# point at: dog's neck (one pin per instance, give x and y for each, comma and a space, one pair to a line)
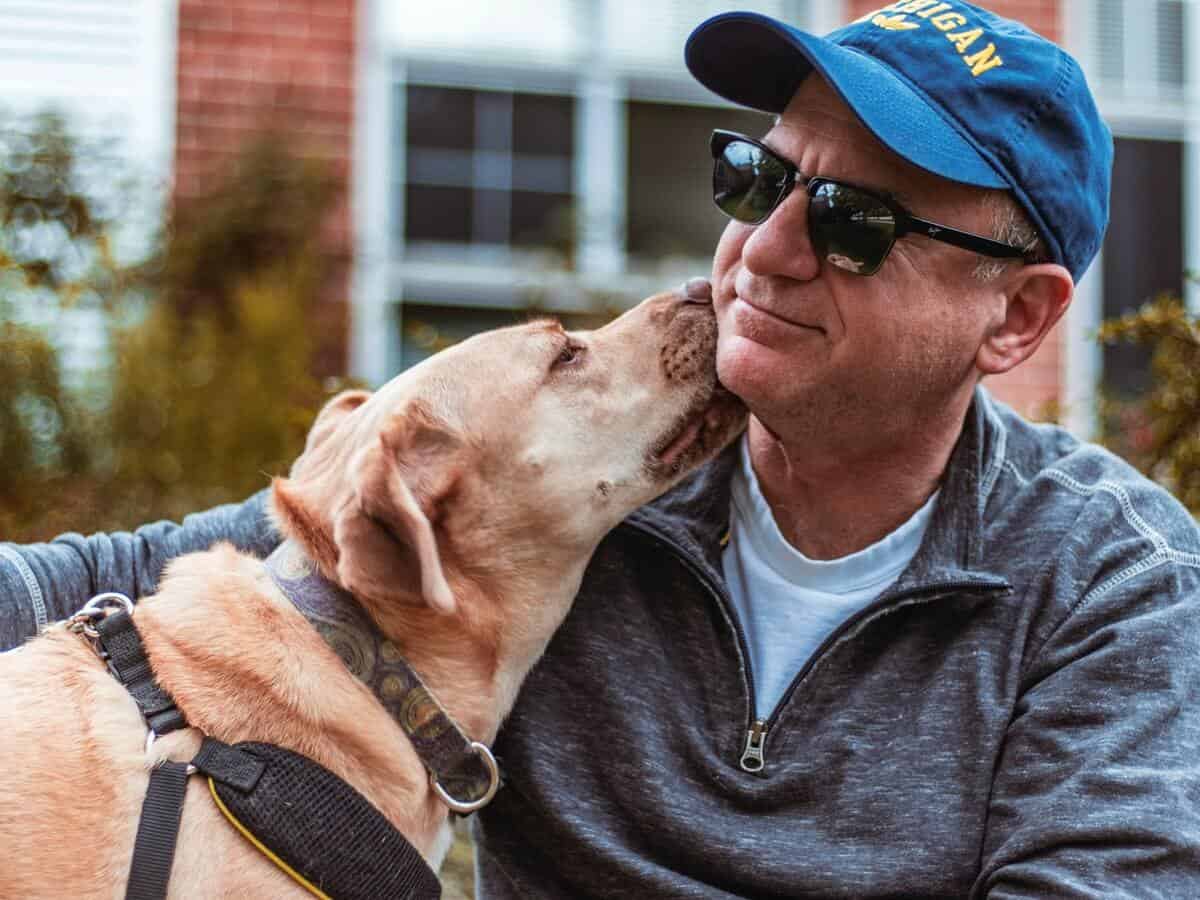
373, 659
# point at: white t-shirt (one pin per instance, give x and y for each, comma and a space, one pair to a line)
787, 603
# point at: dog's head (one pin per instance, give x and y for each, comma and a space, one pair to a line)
513, 450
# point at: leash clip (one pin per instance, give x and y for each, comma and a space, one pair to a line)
466, 807
97, 608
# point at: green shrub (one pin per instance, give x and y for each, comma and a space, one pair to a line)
208, 389
207, 406
1160, 433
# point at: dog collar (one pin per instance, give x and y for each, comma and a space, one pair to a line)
463, 772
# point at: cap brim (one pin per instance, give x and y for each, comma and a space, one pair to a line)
755, 61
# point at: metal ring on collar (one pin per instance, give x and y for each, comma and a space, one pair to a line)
95, 608
465, 808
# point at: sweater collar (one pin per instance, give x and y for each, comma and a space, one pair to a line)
694, 515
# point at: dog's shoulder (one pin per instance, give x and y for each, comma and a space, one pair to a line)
221, 561
219, 588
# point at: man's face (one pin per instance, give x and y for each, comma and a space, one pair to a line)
821, 354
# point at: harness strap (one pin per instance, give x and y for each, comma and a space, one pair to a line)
319, 829
343, 847
126, 657
229, 765
158, 832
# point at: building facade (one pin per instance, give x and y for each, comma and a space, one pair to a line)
551, 155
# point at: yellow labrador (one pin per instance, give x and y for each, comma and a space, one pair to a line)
459, 504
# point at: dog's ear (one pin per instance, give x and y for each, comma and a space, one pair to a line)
332, 414
298, 502
385, 534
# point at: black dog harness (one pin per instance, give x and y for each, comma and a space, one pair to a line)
305, 819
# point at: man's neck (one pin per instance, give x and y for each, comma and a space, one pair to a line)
831, 504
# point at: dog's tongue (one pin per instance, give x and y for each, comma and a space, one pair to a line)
681, 443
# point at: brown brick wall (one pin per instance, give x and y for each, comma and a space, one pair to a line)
1036, 387
1043, 16
248, 64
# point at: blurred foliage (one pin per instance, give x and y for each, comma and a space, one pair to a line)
206, 405
266, 215
1160, 432
207, 388
59, 202
43, 433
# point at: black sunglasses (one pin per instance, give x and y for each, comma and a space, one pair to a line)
850, 227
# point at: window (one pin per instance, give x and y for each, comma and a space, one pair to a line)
488, 167
1143, 253
1138, 48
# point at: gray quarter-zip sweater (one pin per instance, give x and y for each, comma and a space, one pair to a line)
1018, 716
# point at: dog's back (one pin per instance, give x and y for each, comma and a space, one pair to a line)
74, 767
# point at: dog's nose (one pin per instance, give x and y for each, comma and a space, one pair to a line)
696, 290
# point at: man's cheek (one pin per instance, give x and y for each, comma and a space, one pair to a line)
727, 255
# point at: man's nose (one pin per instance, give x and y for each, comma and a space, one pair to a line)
781, 245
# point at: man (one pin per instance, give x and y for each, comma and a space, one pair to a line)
898, 642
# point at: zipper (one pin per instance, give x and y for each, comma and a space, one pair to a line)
753, 758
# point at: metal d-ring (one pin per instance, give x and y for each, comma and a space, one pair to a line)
95, 607
465, 808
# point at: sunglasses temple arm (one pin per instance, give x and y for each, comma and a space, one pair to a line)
964, 239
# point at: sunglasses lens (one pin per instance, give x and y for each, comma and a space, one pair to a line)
747, 183
850, 229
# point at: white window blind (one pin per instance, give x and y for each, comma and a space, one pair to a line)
1137, 48
107, 64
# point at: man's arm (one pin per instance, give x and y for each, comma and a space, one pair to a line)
43, 583
1097, 788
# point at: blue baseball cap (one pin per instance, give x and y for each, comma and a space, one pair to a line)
952, 88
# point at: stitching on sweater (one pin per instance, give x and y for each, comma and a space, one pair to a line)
1157, 558
35, 592
1122, 496
1162, 553
1012, 468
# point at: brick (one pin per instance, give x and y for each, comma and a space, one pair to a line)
245, 64
1043, 16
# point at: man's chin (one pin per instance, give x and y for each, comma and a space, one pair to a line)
749, 370
737, 350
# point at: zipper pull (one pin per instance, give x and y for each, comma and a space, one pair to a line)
752, 757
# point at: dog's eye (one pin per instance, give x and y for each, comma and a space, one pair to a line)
568, 355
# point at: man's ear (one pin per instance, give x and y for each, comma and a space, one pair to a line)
1035, 297
385, 532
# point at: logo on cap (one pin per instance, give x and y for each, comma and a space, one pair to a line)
942, 16
894, 23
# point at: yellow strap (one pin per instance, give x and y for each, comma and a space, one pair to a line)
263, 849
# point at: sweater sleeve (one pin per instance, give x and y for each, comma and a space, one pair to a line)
44, 583
1097, 789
